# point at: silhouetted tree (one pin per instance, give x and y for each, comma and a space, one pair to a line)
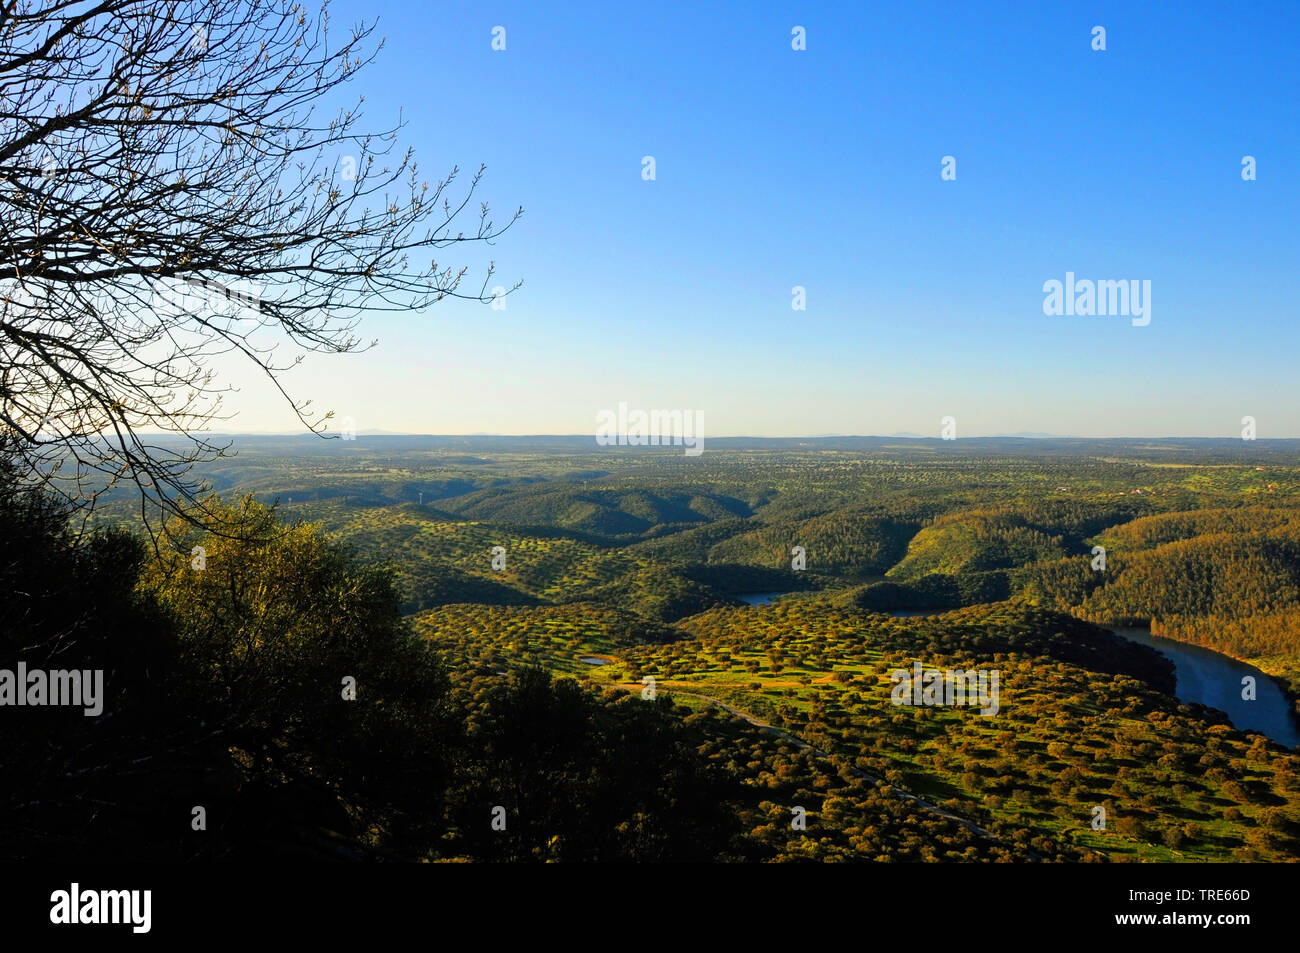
170, 194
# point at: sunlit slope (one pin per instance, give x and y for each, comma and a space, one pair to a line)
974, 543
1081, 723
604, 511
441, 561
1228, 579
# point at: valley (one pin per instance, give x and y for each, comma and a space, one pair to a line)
628, 567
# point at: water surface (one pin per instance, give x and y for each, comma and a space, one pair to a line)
1214, 679
760, 598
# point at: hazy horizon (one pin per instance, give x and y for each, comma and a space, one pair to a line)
744, 436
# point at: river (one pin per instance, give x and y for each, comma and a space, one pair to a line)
1214, 679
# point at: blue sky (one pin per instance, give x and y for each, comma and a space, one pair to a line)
821, 168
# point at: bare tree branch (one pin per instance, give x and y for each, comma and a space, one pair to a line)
168, 197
